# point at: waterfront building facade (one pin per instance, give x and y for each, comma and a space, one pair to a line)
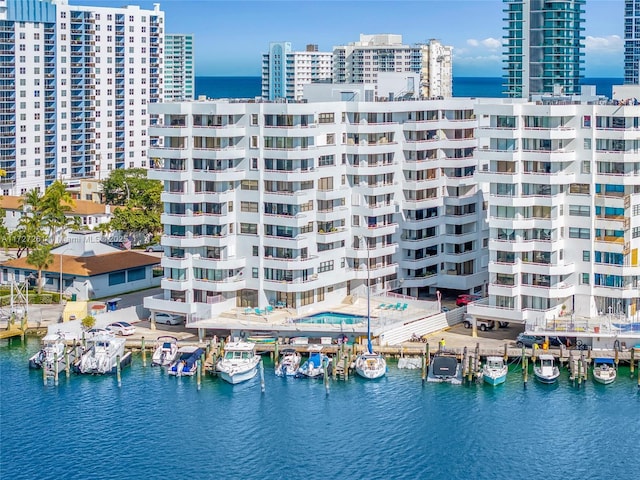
285, 72
563, 183
360, 62
543, 45
632, 42
75, 85
298, 203
179, 72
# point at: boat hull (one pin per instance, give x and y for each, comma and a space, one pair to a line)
238, 377
371, 366
604, 380
547, 379
494, 379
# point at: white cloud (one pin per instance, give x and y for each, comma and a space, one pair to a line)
610, 43
489, 43
492, 43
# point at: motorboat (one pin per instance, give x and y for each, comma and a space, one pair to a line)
604, 370
371, 365
445, 368
166, 351
53, 348
494, 371
314, 366
546, 371
101, 354
186, 363
289, 363
239, 363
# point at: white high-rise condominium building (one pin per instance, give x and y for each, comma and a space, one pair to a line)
179, 74
543, 44
75, 84
360, 62
298, 203
563, 178
632, 42
285, 72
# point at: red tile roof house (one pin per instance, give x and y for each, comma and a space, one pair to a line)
89, 269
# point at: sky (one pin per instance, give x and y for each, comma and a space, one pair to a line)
232, 35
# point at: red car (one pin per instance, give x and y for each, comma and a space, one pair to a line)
466, 298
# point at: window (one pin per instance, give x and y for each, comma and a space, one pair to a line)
326, 160
331, 139
254, 141
254, 119
249, 185
134, 274
580, 210
636, 210
254, 164
249, 207
255, 250
254, 272
586, 166
325, 266
583, 233
635, 233
116, 278
326, 118
587, 144
586, 255
249, 228
584, 279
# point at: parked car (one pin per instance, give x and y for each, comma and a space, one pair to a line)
480, 323
529, 340
154, 248
169, 318
121, 328
466, 298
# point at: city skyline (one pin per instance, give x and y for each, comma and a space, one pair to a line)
224, 48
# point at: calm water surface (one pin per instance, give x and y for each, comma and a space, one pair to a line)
157, 426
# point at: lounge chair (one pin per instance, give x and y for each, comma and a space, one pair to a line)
248, 310
268, 309
404, 306
397, 306
382, 306
257, 311
281, 304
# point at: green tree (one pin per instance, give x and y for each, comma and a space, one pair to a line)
88, 322
56, 205
130, 220
132, 187
41, 258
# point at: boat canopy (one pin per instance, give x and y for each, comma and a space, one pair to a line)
603, 360
239, 347
316, 360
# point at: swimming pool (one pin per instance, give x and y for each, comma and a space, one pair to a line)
333, 318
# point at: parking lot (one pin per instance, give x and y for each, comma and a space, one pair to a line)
507, 334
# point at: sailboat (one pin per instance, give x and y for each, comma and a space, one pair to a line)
370, 365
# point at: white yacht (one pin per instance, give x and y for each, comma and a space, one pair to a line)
53, 347
494, 371
289, 363
101, 354
166, 351
239, 363
371, 365
604, 370
546, 371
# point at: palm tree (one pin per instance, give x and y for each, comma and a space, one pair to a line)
56, 203
41, 258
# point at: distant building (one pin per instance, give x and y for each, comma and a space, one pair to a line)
362, 61
75, 84
632, 42
179, 76
543, 44
88, 268
285, 72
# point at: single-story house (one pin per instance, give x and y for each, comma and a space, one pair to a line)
84, 268
91, 214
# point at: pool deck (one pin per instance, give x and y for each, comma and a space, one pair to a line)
284, 320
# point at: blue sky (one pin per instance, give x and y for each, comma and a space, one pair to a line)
230, 36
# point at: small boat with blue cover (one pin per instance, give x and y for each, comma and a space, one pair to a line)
604, 370
315, 366
187, 362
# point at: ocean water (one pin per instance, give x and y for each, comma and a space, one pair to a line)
250, 87
158, 426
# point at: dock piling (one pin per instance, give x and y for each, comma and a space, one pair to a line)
346, 368
506, 353
424, 368
199, 373
44, 374
632, 363
325, 376
118, 371
67, 366
427, 355
144, 352
580, 370
261, 368
56, 368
